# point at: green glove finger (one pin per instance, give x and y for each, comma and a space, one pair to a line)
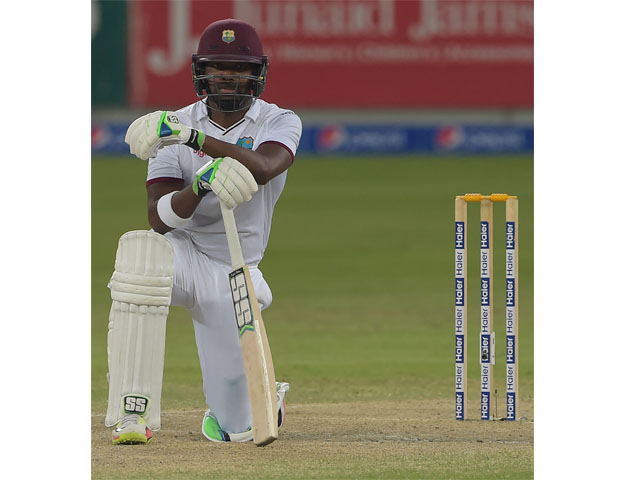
166, 125
205, 175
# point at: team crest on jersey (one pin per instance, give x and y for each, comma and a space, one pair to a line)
246, 142
227, 36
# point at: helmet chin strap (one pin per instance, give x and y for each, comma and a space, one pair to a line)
227, 103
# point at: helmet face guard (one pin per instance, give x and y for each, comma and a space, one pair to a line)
227, 41
245, 87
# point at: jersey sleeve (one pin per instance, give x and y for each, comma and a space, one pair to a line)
286, 130
165, 166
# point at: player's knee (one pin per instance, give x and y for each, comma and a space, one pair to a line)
143, 269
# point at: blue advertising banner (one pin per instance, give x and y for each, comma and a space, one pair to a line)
389, 139
374, 139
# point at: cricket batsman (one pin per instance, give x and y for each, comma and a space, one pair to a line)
229, 146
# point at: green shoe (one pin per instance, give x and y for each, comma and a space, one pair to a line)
212, 431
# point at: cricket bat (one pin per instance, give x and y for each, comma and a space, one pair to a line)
261, 379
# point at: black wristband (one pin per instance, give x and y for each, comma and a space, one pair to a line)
196, 139
201, 191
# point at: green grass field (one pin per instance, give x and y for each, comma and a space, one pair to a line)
360, 262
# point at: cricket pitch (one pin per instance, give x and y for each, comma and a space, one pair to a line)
382, 439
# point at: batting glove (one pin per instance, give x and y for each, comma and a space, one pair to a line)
231, 181
157, 130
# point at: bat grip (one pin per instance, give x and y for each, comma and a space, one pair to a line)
232, 235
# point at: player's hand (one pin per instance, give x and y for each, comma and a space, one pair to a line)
231, 181
158, 129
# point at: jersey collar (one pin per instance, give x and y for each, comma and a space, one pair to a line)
254, 111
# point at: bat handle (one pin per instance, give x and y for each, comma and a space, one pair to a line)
234, 245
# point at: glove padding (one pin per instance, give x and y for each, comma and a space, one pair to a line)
228, 178
157, 130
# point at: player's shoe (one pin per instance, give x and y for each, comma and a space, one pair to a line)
213, 432
282, 389
131, 430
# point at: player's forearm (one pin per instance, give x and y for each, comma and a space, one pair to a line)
149, 133
183, 203
170, 207
255, 162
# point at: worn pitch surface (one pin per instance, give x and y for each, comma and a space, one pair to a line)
384, 439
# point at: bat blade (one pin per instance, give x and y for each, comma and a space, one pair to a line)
259, 371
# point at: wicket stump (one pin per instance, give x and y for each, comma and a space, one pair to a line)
487, 334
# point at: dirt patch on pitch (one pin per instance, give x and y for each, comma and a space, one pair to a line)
348, 440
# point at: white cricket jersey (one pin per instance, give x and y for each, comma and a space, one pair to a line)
262, 123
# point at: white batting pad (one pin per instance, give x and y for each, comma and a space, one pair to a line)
141, 291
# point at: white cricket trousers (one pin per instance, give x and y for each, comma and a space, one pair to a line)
201, 286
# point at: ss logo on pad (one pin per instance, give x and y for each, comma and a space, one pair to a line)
135, 404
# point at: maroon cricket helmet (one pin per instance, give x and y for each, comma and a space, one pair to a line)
229, 40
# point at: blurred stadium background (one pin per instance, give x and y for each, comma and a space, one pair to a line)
404, 104
366, 76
